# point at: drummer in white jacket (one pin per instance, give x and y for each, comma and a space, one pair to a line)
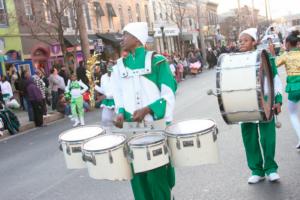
107, 104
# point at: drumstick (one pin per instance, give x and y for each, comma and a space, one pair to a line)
277, 123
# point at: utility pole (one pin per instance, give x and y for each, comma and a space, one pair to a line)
239, 17
201, 35
253, 23
270, 13
82, 29
266, 7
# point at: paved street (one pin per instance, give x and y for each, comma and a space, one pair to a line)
32, 167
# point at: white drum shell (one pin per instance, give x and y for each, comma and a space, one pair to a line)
73, 159
192, 155
238, 75
140, 160
118, 170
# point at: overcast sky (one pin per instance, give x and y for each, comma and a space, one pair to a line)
278, 7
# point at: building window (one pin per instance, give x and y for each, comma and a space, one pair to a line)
3, 14
147, 14
111, 13
130, 14
2, 45
86, 14
48, 15
154, 11
28, 10
138, 12
121, 16
99, 13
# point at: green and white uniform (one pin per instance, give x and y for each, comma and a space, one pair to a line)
76, 89
139, 81
107, 104
262, 134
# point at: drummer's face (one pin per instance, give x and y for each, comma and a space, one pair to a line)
246, 43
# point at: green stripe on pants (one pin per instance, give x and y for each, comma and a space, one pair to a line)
260, 163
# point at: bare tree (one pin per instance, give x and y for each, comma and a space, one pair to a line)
50, 19
178, 15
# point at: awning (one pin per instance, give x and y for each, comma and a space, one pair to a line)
114, 38
110, 10
99, 10
71, 40
187, 37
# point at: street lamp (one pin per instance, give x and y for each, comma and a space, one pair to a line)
163, 38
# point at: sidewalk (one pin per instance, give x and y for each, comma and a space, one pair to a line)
27, 125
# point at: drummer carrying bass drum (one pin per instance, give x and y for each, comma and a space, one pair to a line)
262, 133
144, 91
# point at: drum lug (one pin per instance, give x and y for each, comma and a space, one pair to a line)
68, 149
198, 142
125, 150
110, 157
165, 149
215, 133
83, 157
148, 154
60, 147
178, 144
131, 156
91, 159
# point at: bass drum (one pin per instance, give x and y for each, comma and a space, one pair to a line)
245, 87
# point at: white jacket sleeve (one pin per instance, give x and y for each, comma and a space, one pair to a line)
83, 86
116, 89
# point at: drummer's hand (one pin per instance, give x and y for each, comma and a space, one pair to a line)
277, 108
119, 121
140, 114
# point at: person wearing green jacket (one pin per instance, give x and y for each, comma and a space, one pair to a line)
144, 91
260, 138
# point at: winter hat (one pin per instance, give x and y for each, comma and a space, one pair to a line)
138, 30
250, 31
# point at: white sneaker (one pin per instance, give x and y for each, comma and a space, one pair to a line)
273, 177
76, 122
81, 121
255, 179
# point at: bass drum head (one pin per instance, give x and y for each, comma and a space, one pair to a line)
146, 139
81, 133
190, 127
266, 94
104, 142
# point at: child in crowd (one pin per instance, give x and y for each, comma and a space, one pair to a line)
76, 90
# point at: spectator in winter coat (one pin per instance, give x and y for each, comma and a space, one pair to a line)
35, 98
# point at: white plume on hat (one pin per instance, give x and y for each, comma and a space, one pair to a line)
250, 31
138, 30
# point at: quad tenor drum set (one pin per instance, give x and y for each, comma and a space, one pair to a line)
245, 93
115, 156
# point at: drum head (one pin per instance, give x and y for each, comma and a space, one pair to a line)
266, 97
146, 139
190, 127
104, 142
80, 133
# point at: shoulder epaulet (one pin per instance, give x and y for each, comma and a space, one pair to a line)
157, 59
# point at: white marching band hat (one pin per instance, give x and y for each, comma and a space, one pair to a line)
138, 30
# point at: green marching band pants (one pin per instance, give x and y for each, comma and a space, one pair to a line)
257, 136
155, 184
77, 107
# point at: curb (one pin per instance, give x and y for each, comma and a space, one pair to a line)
52, 117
